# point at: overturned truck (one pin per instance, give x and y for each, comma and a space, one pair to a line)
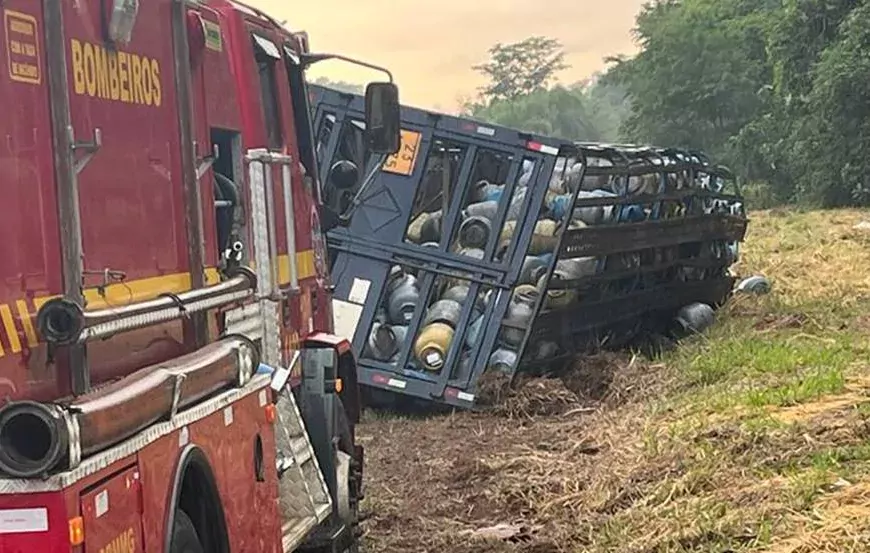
485, 250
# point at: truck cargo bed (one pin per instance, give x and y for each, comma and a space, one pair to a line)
485, 249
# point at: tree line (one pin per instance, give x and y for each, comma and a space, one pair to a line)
779, 90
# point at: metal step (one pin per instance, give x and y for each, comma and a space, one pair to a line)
303, 495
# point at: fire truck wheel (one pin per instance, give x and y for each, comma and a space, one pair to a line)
184, 537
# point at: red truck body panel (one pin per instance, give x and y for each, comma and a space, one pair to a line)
132, 206
131, 191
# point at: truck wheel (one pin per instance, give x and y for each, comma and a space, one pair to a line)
184, 537
352, 468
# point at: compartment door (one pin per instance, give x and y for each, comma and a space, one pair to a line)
112, 515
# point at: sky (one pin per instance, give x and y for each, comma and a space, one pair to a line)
430, 46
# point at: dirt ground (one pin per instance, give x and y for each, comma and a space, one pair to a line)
755, 437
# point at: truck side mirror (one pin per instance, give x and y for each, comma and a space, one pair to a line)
382, 118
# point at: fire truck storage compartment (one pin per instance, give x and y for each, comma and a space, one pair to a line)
483, 249
112, 514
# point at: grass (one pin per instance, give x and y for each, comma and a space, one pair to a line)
754, 437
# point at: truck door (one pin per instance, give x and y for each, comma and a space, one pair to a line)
29, 254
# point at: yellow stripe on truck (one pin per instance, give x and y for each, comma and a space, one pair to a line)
123, 293
27, 323
9, 326
304, 266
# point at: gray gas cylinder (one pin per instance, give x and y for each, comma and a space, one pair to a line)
403, 300
443, 311
474, 232
487, 209
695, 318
502, 360
533, 267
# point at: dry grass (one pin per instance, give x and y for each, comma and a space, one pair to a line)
755, 437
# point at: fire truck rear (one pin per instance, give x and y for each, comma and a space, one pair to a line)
169, 380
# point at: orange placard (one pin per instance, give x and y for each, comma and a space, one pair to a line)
402, 162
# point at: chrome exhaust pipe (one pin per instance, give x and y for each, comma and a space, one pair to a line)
64, 322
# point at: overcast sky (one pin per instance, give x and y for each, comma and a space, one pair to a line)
431, 45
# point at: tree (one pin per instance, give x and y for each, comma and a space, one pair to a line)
342, 86
832, 143
521, 68
695, 82
583, 111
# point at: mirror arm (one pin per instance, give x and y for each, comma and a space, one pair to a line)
309, 59
345, 217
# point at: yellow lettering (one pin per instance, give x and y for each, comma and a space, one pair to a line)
108, 74
102, 62
114, 82
15, 46
122, 543
156, 93
77, 69
146, 82
90, 66
136, 79
29, 50
123, 60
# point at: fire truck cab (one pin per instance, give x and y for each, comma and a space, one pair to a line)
169, 377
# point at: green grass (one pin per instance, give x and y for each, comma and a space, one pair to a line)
753, 437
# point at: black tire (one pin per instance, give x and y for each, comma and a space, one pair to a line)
184, 536
346, 443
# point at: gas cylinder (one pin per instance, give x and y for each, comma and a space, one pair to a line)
459, 293
543, 239
632, 214
592, 215
578, 267
385, 340
403, 300
558, 205
533, 268
478, 191
520, 311
502, 360
443, 311
557, 298
432, 345
695, 318
754, 285
474, 232
492, 193
475, 253
394, 279
415, 229
516, 205
430, 230
482, 209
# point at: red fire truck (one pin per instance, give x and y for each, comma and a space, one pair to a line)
169, 381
